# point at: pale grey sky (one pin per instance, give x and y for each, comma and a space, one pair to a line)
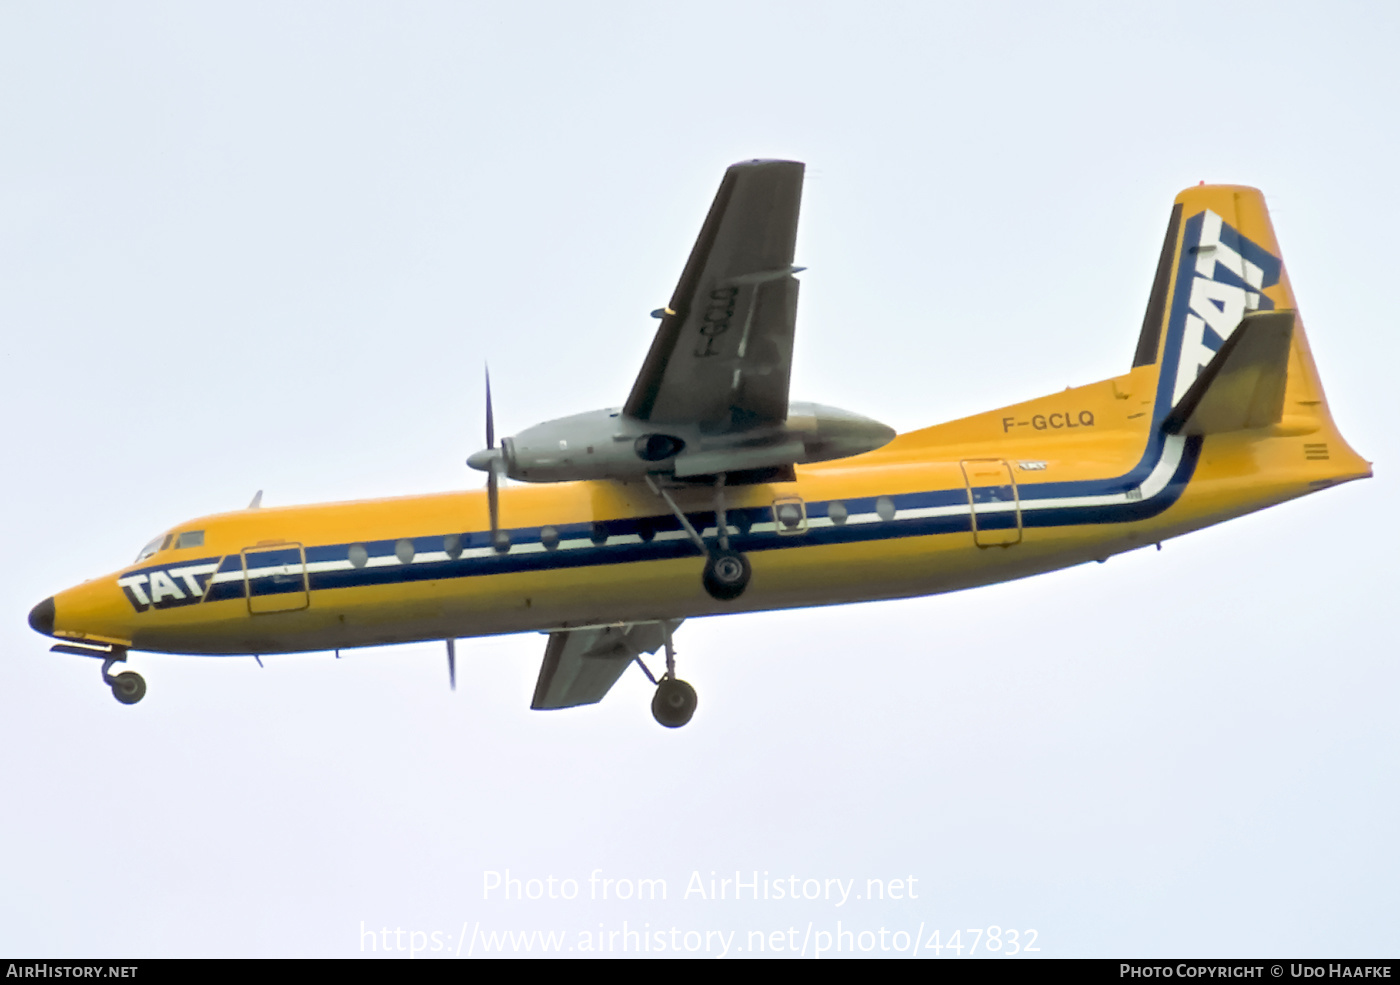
250, 246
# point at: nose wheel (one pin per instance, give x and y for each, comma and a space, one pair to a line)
128, 687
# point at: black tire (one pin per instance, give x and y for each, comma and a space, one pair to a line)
674, 702
128, 687
727, 575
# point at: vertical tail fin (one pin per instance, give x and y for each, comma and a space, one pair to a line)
1219, 263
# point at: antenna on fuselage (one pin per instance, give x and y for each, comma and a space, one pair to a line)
257, 501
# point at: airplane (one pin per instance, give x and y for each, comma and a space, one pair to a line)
709, 492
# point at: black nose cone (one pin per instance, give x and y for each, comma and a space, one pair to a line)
41, 617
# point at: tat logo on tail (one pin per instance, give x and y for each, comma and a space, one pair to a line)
1221, 278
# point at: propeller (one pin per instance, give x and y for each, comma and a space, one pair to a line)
491, 460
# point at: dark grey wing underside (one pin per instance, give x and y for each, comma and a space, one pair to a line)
581, 665
722, 357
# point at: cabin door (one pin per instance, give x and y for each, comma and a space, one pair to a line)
275, 578
994, 500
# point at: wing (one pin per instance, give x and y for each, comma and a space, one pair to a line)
581, 665
723, 354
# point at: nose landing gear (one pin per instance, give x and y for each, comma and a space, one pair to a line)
128, 687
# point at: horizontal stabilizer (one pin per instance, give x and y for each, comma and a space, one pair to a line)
1243, 385
581, 665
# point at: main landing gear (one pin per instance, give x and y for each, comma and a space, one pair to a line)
727, 571
128, 687
726, 574
674, 702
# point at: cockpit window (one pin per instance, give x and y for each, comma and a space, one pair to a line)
190, 538
149, 549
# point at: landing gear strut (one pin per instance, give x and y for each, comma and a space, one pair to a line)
128, 687
727, 571
674, 702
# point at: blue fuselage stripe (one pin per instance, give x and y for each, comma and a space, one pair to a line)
592, 554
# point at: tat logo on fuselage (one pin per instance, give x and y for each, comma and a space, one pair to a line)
167, 587
1221, 278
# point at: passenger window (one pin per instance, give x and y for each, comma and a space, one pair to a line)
790, 514
190, 538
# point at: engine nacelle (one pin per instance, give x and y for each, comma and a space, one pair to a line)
606, 444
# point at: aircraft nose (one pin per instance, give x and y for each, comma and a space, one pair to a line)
41, 617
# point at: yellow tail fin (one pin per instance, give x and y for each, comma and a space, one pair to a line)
1220, 262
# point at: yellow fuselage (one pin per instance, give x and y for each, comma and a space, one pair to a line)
1065, 479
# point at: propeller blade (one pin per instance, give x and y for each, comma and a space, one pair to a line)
452, 663
494, 463
490, 418
493, 505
